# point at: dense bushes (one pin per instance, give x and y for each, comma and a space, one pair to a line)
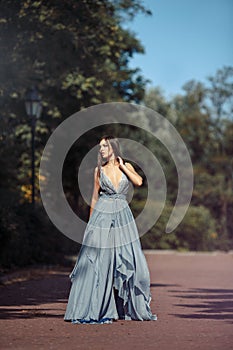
196, 232
28, 237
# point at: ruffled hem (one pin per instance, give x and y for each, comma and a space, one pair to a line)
132, 282
91, 321
108, 320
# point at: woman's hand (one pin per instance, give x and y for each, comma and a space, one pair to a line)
130, 172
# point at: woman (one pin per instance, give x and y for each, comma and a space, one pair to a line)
110, 279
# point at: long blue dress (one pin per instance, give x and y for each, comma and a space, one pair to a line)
110, 279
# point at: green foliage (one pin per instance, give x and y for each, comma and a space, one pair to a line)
196, 231
28, 237
76, 52
203, 117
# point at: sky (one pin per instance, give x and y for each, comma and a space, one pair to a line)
183, 40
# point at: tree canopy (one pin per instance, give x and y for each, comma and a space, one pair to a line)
76, 52
203, 117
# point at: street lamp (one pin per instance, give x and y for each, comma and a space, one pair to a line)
33, 108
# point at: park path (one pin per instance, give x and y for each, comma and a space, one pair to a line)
192, 296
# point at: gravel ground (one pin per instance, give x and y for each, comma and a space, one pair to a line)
192, 296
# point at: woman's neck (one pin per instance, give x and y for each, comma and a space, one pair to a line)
112, 162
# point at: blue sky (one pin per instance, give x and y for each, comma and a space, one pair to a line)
183, 40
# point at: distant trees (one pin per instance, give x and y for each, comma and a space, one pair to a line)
203, 117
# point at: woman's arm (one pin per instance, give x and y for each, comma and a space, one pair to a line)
95, 193
131, 173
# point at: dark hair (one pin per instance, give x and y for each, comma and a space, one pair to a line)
114, 142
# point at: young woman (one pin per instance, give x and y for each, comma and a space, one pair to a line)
110, 279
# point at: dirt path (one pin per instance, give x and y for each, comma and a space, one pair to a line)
192, 296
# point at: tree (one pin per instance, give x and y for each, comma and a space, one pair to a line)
77, 53
203, 117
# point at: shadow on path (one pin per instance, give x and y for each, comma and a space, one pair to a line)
16, 298
214, 303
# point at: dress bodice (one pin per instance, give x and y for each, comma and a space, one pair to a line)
108, 188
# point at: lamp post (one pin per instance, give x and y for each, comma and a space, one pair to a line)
33, 108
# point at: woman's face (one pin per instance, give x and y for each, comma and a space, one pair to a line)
105, 149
